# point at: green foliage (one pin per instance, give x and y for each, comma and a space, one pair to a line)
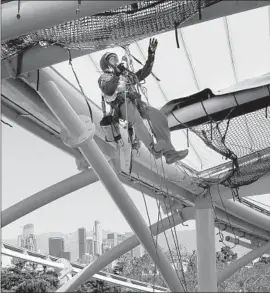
97, 286
142, 269
255, 278
21, 280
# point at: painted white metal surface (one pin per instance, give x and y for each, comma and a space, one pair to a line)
80, 134
125, 246
206, 250
222, 102
77, 101
29, 100
44, 14
47, 195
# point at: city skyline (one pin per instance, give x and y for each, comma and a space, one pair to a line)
88, 248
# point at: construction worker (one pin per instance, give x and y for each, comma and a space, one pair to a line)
118, 85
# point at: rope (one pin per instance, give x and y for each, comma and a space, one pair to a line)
144, 92
19, 8
150, 224
174, 229
79, 84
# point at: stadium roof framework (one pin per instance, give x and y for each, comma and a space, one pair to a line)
207, 56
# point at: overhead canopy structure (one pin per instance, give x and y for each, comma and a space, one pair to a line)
210, 63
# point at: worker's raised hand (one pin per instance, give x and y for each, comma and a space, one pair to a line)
152, 46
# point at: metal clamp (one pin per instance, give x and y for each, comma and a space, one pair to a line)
88, 133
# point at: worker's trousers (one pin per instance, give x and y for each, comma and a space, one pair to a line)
158, 123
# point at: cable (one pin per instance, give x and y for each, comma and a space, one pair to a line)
6, 123
266, 205
77, 79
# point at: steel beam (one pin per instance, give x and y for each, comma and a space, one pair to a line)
78, 132
245, 213
112, 279
47, 195
25, 121
237, 241
125, 246
243, 261
41, 116
206, 252
240, 224
36, 15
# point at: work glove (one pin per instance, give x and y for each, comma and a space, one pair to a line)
152, 46
119, 69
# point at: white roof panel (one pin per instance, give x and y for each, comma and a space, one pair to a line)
206, 51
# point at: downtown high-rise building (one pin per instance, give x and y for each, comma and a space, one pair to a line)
28, 239
66, 255
90, 245
112, 239
97, 237
56, 247
82, 242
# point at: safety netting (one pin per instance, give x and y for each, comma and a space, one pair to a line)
116, 27
244, 140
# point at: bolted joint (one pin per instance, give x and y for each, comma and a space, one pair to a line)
82, 164
88, 133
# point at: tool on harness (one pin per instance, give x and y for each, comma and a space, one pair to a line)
110, 125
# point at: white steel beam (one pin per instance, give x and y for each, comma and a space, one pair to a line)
206, 252
243, 261
36, 15
245, 213
78, 132
224, 8
186, 185
125, 246
47, 195
27, 98
237, 241
24, 120
125, 282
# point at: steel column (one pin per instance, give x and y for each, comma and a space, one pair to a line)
125, 246
243, 261
79, 134
205, 233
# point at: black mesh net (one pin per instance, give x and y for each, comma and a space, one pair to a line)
111, 28
245, 140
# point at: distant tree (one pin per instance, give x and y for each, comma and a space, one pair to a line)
97, 286
18, 280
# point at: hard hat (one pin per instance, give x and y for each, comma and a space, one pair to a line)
104, 64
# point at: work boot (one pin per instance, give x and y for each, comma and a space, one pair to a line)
174, 156
156, 150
